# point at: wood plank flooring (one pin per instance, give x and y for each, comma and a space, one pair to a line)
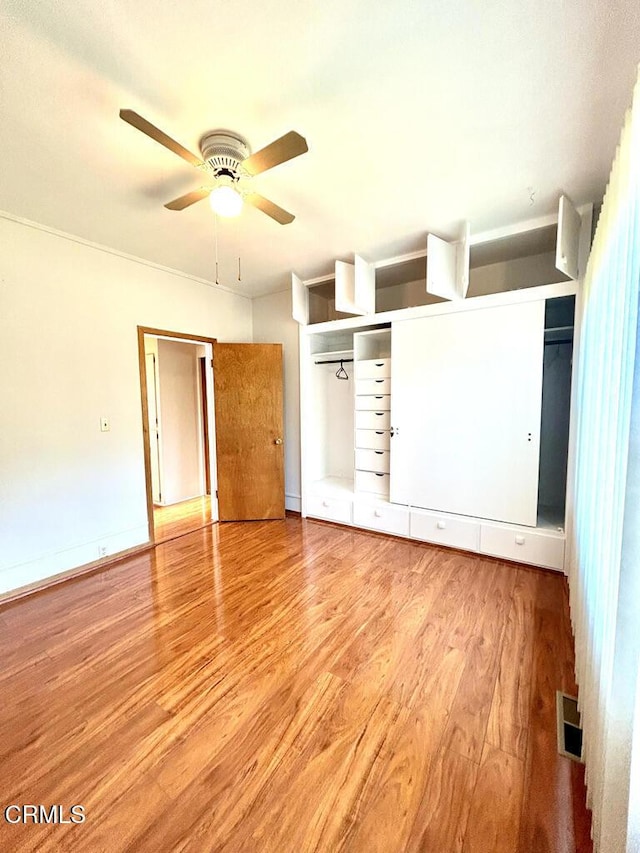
184, 517
290, 686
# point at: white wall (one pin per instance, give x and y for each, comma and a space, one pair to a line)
68, 355
180, 421
272, 323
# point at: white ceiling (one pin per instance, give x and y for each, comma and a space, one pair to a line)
418, 113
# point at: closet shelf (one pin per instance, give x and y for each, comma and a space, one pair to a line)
337, 353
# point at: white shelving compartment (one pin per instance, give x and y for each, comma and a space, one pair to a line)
362, 288
327, 406
372, 351
539, 252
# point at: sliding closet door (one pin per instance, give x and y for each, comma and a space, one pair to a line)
467, 387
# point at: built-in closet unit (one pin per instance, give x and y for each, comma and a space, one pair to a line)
447, 419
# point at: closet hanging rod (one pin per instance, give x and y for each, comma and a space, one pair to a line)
335, 361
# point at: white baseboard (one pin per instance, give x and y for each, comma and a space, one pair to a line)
293, 502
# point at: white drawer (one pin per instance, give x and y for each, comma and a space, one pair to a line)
374, 368
523, 545
373, 386
373, 460
379, 403
372, 439
332, 509
373, 420
368, 481
445, 530
384, 517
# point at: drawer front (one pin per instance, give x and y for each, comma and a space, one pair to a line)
368, 481
372, 439
373, 460
375, 368
444, 530
379, 403
373, 420
373, 386
332, 509
524, 546
388, 519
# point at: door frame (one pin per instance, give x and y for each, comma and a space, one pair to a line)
162, 333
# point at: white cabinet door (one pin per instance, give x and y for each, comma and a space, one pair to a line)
568, 239
466, 403
299, 300
346, 288
441, 268
355, 287
448, 265
463, 257
365, 286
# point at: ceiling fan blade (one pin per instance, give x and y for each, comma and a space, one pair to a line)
188, 198
151, 130
286, 148
273, 210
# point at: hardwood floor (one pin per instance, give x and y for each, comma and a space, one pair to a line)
291, 686
184, 517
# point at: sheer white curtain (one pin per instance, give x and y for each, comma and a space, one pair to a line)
604, 566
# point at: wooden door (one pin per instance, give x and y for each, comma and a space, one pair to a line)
466, 391
249, 430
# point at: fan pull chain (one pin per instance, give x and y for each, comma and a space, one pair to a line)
238, 244
215, 231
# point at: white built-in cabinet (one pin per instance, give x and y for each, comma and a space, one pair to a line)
467, 392
447, 421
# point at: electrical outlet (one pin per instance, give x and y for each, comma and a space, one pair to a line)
102, 550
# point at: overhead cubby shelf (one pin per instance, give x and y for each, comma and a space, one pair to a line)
536, 253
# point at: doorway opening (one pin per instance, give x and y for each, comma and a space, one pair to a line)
176, 383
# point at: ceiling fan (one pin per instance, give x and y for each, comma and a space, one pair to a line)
228, 161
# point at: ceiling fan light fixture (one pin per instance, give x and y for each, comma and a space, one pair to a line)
225, 201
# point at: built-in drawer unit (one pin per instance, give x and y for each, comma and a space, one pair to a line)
445, 530
372, 439
374, 368
370, 481
331, 509
541, 548
379, 403
373, 420
372, 460
373, 386
381, 516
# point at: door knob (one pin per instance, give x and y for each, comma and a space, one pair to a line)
277, 441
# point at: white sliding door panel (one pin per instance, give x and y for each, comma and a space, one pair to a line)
467, 390
406, 375
299, 301
568, 239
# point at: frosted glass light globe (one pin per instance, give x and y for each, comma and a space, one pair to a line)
225, 201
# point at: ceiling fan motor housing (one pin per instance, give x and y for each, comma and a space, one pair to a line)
223, 152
